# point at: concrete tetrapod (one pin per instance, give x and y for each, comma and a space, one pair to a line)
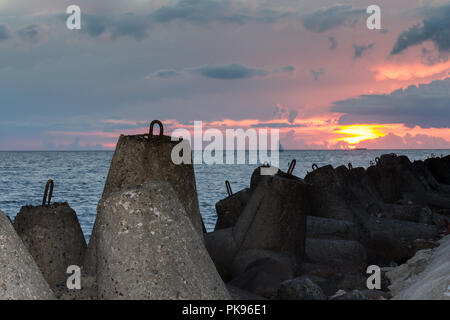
20, 277
147, 248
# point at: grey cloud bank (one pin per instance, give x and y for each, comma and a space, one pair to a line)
329, 18
426, 106
435, 28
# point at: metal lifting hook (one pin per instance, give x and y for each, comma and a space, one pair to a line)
48, 185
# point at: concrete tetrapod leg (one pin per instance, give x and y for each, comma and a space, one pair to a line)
54, 238
20, 277
274, 220
147, 248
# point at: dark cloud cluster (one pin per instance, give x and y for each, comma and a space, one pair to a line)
359, 50
206, 11
333, 43
229, 72
318, 73
5, 34
426, 106
131, 25
281, 112
30, 33
435, 27
333, 17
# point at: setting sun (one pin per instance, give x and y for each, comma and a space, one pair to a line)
357, 133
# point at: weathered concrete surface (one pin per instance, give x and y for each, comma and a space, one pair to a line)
336, 252
147, 248
275, 217
323, 228
138, 160
229, 209
20, 277
301, 288
221, 248
263, 277
54, 238
424, 277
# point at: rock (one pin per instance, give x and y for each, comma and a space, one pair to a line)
401, 275
301, 288
323, 228
376, 294
412, 213
275, 217
424, 277
263, 277
54, 238
147, 248
229, 209
239, 294
20, 277
336, 252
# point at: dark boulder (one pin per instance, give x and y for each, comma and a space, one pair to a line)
230, 209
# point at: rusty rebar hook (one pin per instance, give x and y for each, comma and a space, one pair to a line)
377, 161
350, 166
50, 184
291, 167
315, 167
230, 192
161, 128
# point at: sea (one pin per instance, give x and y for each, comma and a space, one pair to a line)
79, 177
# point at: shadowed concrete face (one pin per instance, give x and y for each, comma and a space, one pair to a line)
20, 277
54, 238
148, 249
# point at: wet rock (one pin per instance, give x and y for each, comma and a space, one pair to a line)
20, 277
230, 209
301, 288
54, 238
412, 213
336, 252
323, 228
263, 277
147, 248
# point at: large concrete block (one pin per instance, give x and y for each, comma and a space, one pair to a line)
230, 209
20, 277
147, 248
54, 238
138, 159
275, 217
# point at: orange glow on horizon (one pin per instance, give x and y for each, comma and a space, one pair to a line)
357, 133
409, 71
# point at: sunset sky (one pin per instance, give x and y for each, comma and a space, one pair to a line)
310, 68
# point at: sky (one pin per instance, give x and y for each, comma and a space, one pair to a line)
310, 68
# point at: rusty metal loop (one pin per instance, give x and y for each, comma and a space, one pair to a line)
315, 167
48, 185
161, 128
227, 184
350, 166
291, 167
371, 163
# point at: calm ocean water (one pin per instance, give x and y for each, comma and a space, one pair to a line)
80, 176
